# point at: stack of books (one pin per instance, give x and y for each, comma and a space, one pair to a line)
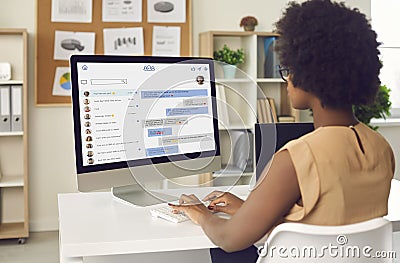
286, 118
266, 111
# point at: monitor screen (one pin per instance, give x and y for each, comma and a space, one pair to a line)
134, 111
270, 137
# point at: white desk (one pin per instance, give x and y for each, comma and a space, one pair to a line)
97, 228
96, 224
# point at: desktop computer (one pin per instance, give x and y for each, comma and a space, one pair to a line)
142, 119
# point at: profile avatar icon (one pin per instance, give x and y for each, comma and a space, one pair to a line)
86, 93
200, 80
86, 102
90, 161
88, 131
89, 146
87, 124
87, 116
89, 139
90, 154
87, 109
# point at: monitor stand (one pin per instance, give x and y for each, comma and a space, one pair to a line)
136, 195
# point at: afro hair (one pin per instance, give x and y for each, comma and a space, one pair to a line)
331, 52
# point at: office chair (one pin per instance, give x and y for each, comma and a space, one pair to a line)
296, 242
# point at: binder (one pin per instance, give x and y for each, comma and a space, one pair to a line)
271, 58
16, 108
5, 123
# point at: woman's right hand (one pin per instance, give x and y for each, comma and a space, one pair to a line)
223, 202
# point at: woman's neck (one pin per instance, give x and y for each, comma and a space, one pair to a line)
324, 116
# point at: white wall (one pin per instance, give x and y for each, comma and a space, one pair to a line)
51, 163
391, 133
226, 14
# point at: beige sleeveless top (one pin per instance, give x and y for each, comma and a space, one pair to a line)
344, 174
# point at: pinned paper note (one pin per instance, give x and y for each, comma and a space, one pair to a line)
123, 41
166, 11
122, 11
68, 43
166, 41
62, 82
75, 11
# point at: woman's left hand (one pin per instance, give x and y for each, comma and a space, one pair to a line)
192, 207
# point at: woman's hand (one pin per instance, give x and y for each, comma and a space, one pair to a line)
192, 207
223, 202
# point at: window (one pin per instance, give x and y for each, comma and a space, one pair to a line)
385, 20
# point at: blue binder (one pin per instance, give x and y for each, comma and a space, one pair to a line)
271, 61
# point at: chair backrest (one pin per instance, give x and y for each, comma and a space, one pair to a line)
369, 241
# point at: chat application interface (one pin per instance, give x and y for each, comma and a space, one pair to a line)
132, 111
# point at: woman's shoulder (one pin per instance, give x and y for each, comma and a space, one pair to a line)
323, 136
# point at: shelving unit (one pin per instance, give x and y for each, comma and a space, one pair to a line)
241, 93
14, 219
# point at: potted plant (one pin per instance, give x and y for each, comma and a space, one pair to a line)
230, 57
248, 23
379, 109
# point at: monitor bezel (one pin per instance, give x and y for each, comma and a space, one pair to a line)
75, 59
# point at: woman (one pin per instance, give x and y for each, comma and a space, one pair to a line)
340, 173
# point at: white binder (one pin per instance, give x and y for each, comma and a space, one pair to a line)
16, 108
5, 123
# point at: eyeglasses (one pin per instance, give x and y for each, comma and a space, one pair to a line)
284, 71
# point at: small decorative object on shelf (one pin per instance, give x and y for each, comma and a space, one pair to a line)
248, 23
5, 71
230, 57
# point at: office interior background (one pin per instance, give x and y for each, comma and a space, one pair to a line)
51, 152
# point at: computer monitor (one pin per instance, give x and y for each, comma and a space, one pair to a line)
270, 137
142, 119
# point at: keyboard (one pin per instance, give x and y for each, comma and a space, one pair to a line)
165, 212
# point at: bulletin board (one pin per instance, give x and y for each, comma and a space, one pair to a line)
45, 65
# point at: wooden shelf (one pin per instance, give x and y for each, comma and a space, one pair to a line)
238, 33
235, 127
8, 134
13, 230
270, 80
233, 81
239, 104
220, 175
12, 31
11, 181
14, 215
11, 82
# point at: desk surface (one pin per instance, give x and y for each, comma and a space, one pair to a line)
98, 224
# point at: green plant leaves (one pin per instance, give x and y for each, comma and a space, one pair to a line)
378, 109
229, 56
